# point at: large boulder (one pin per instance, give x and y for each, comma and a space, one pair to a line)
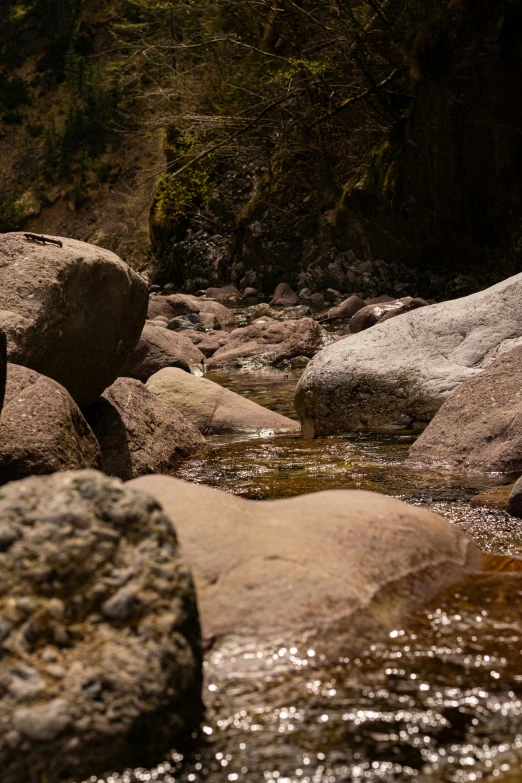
99, 631
42, 430
158, 348
479, 428
3, 366
341, 566
215, 410
397, 374
138, 433
267, 344
71, 311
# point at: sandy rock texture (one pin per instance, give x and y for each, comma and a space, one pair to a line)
340, 566
73, 313
479, 428
397, 374
99, 631
266, 344
138, 433
213, 409
3, 366
42, 430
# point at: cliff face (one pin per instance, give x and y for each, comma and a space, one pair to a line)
445, 196
437, 209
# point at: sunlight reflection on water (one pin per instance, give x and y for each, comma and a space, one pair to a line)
441, 700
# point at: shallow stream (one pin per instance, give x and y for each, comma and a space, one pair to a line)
440, 700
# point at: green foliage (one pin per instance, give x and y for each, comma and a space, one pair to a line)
182, 194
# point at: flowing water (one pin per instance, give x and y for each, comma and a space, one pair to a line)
439, 700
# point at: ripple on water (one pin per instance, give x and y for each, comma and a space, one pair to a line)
440, 700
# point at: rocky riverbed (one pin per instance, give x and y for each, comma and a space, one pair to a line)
350, 601
440, 700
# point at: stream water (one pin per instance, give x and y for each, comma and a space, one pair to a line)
440, 700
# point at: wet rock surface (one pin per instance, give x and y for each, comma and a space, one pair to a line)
158, 348
398, 374
100, 634
213, 409
42, 430
268, 344
138, 433
73, 313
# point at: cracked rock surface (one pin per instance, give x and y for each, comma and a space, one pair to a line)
100, 661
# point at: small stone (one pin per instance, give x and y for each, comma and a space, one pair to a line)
56, 670
8, 535
120, 605
25, 683
43, 722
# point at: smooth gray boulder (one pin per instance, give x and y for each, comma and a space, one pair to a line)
397, 374
99, 631
339, 567
70, 310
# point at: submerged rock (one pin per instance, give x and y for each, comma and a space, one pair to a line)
138, 433
158, 348
100, 643
479, 428
42, 430
72, 312
397, 374
341, 567
269, 343
215, 410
